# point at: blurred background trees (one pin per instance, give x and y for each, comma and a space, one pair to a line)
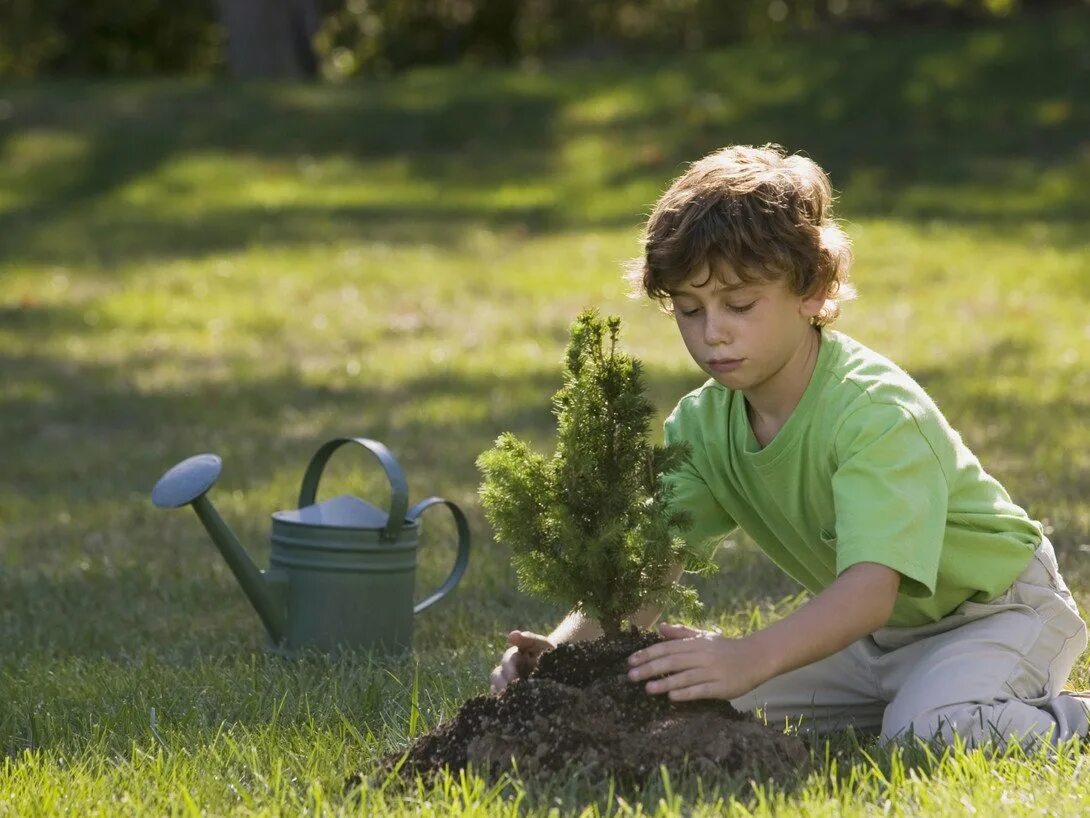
108, 37
342, 38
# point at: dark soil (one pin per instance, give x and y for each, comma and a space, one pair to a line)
579, 712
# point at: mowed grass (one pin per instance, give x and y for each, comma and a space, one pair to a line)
187, 267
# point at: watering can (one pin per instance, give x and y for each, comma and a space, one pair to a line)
341, 572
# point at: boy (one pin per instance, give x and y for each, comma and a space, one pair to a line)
937, 609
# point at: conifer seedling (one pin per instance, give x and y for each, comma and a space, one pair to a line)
591, 528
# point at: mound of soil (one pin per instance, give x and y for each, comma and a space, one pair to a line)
578, 711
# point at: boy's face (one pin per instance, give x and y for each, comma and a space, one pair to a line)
742, 334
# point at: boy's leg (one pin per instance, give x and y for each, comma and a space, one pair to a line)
835, 693
996, 677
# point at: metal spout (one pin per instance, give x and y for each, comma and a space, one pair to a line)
186, 484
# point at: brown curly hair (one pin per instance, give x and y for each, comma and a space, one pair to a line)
761, 212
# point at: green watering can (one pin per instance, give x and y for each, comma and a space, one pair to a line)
341, 572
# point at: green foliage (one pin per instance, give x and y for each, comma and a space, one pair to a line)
127, 37
377, 36
591, 528
141, 37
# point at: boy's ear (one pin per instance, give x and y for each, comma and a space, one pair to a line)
811, 305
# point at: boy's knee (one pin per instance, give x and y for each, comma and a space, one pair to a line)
939, 724
998, 723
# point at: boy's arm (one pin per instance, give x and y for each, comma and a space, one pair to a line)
526, 647
701, 665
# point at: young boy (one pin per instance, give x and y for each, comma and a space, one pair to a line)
937, 609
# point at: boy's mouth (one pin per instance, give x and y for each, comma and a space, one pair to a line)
724, 364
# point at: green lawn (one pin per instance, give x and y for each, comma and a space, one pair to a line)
187, 267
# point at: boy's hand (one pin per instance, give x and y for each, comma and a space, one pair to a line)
697, 664
520, 658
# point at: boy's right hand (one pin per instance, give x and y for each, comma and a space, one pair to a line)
520, 658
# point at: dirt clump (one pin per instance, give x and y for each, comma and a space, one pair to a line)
578, 711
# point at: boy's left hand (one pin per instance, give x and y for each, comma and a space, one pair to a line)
697, 664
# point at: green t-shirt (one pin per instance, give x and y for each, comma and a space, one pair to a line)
866, 469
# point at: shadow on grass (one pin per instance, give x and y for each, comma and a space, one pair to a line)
142, 236
444, 127
941, 125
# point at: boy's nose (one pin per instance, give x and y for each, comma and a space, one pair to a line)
715, 331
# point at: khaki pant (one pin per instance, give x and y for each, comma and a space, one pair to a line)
987, 672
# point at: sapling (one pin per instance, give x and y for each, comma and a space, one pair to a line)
591, 528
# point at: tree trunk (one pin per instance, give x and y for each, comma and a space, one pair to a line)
270, 39
611, 628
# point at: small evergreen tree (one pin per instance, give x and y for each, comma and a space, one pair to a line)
591, 528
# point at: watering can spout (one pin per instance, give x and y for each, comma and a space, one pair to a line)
186, 484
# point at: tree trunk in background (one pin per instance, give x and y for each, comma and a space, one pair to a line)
270, 39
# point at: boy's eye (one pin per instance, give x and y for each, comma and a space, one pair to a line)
688, 312
741, 307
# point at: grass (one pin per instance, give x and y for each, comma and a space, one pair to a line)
252, 270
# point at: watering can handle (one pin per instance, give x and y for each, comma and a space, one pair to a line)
399, 488
460, 562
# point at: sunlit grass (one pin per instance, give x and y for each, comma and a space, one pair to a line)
253, 270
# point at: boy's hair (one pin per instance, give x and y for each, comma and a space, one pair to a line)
763, 213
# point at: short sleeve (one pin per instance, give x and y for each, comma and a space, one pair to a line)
890, 496
689, 492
